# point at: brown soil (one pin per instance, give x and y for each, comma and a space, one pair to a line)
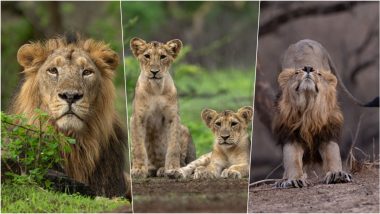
166, 195
362, 195
123, 209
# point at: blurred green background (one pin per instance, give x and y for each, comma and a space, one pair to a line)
216, 68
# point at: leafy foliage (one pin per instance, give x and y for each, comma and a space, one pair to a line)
28, 151
142, 20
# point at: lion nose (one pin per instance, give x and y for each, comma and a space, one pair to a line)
71, 97
308, 69
154, 72
225, 137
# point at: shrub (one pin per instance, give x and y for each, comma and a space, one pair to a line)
28, 151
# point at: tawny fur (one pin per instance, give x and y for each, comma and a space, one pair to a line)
100, 137
308, 119
231, 149
160, 143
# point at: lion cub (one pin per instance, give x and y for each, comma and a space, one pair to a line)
230, 155
160, 143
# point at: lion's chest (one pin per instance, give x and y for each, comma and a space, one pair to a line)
237, 155
157, 130
156, 105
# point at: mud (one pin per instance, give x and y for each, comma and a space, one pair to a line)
166, 195
362, 195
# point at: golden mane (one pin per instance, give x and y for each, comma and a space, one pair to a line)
308, 117
103, 125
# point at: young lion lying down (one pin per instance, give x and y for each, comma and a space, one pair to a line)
230, 155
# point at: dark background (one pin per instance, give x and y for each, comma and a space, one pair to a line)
350, 33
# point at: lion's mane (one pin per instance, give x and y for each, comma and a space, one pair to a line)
99, 156
308, 119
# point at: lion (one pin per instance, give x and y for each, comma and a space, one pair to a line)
160, 143
70, 78
230, 155
308, 119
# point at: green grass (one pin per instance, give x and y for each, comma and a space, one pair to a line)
33, 199
198, 89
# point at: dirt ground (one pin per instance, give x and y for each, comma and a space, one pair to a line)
166, 195
123, 209
362, 195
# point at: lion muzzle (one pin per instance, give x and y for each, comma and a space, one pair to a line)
70, 96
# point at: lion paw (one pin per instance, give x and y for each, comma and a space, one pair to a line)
292, 183
202, 173
337, 177
174, 173
139, 172
231, 173
161, 172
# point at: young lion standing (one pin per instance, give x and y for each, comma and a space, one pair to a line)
160, 143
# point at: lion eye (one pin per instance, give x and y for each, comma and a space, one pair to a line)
296, 72
218, 123
147, 56
234, 123
53, 71
162, 57
87, 72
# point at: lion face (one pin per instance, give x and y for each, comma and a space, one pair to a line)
66, 81
303, 80
307, 79
300, 85
155, 58
228, 127
67, 76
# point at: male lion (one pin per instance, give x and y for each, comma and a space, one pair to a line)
308, 119
71, 79
230, 155
160, 143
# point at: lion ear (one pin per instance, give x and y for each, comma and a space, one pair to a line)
30, 54
102, 55
208, 115
246, 113
175, 47
137, 46
109, 57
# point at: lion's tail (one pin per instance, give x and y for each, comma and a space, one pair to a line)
373, 103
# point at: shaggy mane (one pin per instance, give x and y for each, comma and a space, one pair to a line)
306, 118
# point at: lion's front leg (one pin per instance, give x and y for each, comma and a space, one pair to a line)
139, 153
173, 151
236, 171
212, 170
188, 170
332, 164
292, 160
